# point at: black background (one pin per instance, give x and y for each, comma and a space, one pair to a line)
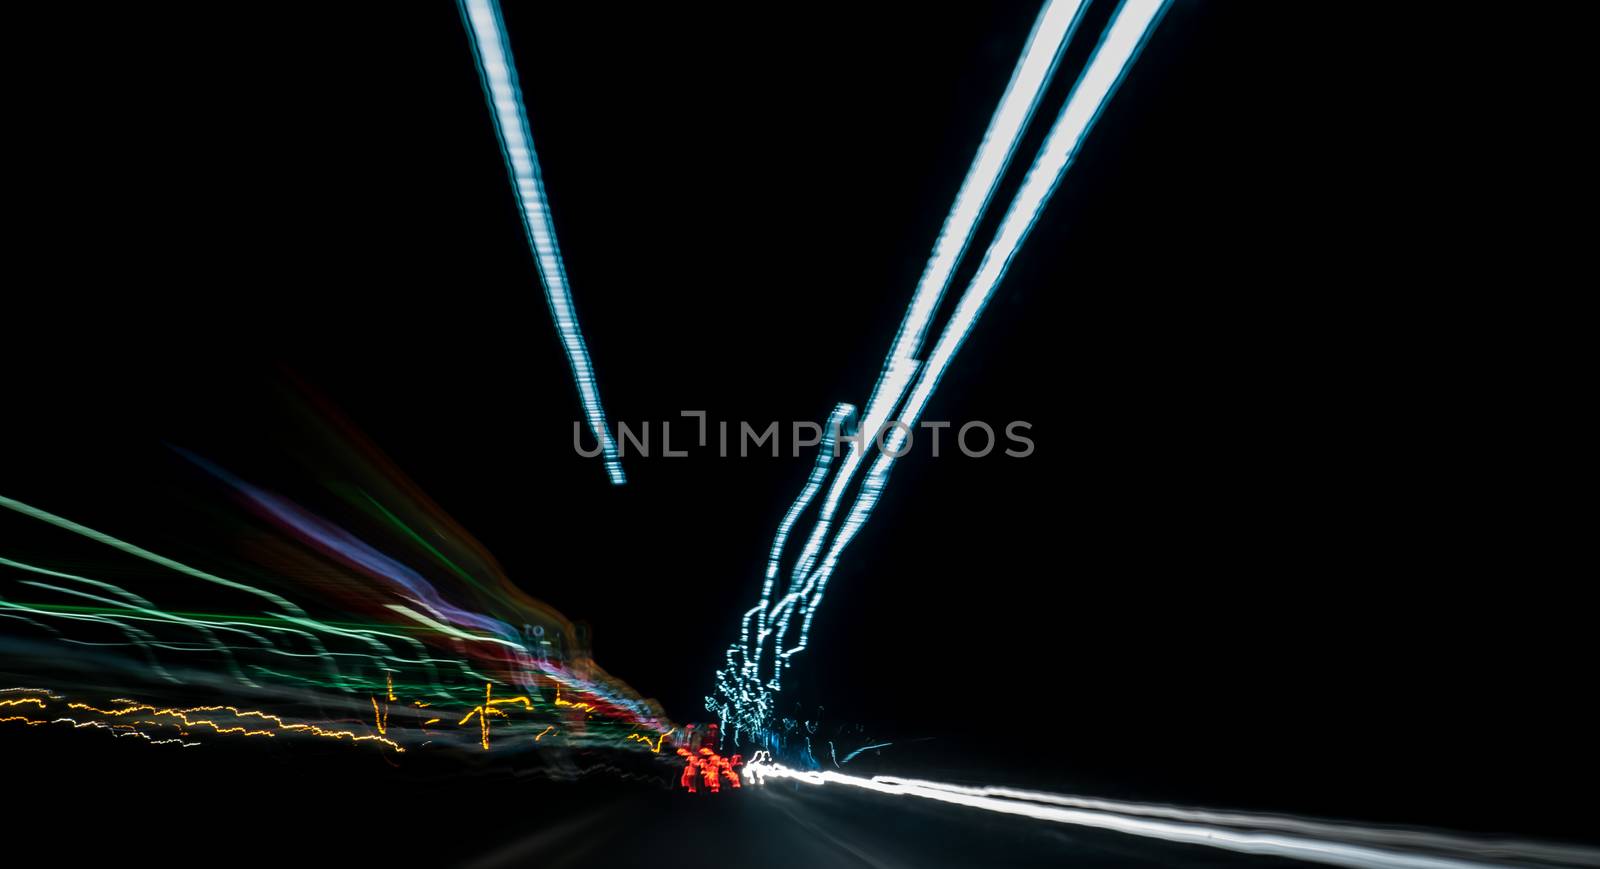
1274, 547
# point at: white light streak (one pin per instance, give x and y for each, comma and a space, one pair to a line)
1311, 841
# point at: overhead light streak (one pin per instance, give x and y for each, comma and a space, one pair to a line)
1112, 58
492, 48
744, 686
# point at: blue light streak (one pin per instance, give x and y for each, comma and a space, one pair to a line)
745, 700
852, 755
492, 49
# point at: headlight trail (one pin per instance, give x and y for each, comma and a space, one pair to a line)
1385, 836
492, 48
1333, 844
743, 688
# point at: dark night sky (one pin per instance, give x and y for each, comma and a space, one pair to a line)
1264, 551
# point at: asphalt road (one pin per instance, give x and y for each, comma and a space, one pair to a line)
81, 796
787, 825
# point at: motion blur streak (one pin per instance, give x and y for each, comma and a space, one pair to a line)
1305, 845
492, 48
1113, 57
347, 622
1050, 34
128, 720
1135, 20
745, 695
1504, 849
